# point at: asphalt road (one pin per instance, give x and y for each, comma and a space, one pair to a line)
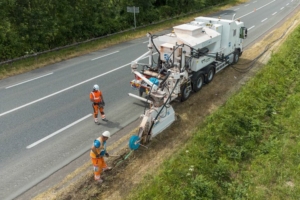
46, 117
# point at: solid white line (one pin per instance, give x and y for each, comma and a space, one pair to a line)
57, 132
254, 10
251, 28
28, 80
264, 20
63, 90
274, 13
104, 55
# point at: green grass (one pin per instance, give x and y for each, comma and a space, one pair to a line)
249, 148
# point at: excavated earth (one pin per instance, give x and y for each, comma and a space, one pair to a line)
128, 173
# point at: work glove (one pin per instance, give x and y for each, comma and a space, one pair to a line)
103, 103
106, 154
98, 156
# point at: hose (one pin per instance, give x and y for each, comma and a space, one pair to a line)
268, 46
163, 81
124, 158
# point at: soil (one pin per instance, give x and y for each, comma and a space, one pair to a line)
128, 173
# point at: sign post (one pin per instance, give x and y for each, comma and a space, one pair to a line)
133, 10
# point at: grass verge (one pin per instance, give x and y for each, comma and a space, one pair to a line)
247, 149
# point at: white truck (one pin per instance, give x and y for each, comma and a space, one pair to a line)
188, 58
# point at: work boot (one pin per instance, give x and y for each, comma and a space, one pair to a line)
103, 118
96, 120
107, 169
100, 181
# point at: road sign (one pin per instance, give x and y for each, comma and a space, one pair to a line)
133, 10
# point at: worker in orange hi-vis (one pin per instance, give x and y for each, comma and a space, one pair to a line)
98, 151
98, 103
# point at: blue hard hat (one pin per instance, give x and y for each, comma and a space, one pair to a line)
97, 143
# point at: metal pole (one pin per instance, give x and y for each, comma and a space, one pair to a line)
134, 17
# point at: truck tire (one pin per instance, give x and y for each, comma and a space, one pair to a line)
210, 74
198, 81
236, 56
185, 92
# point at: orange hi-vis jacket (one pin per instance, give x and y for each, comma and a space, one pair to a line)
95, 96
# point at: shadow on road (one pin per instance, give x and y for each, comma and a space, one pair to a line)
110, 124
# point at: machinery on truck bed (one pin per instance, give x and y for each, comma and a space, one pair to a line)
188, 58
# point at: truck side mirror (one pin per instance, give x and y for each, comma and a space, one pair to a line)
243, 32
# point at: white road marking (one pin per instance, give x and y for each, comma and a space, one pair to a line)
254, 1
146, 41
274, 13
236, 9
246, 5
104, 55
68, 88
251, 28
281, 8
255, 10
264, 20
287, 4
57, 132
28, 80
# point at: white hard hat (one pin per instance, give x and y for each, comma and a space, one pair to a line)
106, 134
96, 87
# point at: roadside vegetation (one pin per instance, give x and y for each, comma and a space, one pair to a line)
32, 26
29, 36
248, 148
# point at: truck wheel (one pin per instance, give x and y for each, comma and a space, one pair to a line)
185, 92
210, 75
198, 82
236, 57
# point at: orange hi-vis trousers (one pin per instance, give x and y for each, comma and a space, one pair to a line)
97, 107
99, 164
